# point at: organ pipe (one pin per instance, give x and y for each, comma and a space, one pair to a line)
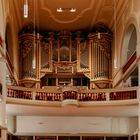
101, 51
70, 53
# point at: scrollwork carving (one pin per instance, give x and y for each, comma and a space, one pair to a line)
27, 46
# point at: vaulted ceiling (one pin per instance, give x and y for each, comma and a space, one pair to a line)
43, 13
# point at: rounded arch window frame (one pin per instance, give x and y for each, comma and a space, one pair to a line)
126, 43
131, 21
9, 35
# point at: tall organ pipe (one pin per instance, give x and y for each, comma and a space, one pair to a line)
101, 50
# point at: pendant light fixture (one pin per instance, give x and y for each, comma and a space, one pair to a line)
115, 32
25, 8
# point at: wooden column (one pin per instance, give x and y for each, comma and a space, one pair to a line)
78, 39
38, 60
51, 34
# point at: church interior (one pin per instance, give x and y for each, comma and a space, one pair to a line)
69, 70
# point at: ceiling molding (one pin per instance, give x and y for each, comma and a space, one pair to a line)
68, 21
99, 4
87, 15
17, 13
119, 9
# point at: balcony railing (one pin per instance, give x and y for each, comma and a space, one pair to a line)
82, 95
129, 62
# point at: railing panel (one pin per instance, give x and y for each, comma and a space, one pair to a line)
70, 95
92, 96
45, 96
123, 95
79, 95
129, 62
19, 94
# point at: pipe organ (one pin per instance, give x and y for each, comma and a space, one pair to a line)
100, 44
66, 58
28, 62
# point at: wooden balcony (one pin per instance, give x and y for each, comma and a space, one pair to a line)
27, 96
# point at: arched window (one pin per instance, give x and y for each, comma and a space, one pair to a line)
129, 44
129, 55
9, 42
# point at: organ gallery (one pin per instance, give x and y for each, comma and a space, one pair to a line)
66, 58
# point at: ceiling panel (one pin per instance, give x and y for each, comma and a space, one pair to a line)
88, 13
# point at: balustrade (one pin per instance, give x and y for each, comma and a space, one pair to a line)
48, 96
123, 95
19, 94
129, 62
79, 95
70, 95
92, 96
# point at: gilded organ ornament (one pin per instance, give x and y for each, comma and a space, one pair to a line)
74, 55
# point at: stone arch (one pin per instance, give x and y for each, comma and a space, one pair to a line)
9, 39
129, 42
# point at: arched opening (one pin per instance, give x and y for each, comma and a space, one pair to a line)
9, 42
129, 55
129, 44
